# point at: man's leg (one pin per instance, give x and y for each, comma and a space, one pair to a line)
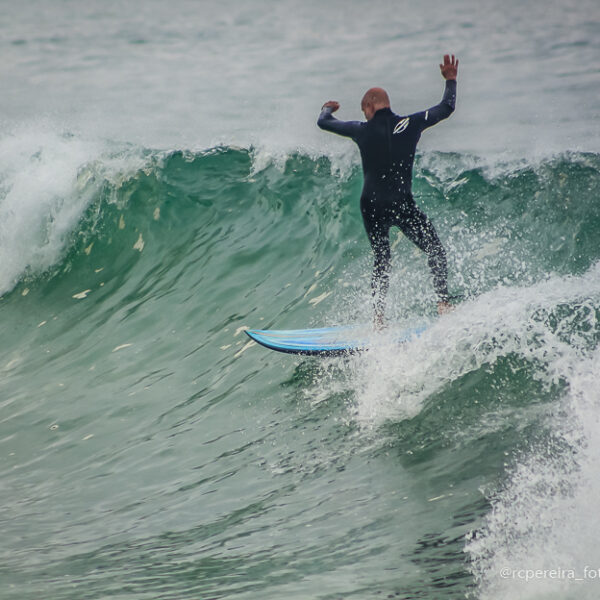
417, 227
379, 236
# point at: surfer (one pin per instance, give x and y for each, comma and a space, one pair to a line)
387, 144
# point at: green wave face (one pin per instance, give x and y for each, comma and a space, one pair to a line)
151, 447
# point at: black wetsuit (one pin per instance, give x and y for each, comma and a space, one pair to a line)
387, 146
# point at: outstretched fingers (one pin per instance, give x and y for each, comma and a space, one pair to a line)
449, 67
450, 59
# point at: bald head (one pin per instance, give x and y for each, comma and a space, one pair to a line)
374, 99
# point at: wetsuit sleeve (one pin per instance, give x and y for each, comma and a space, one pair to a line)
440, 111
346, 128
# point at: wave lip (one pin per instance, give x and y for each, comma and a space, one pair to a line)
524, 218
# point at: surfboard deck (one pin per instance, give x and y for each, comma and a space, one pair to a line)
328, 341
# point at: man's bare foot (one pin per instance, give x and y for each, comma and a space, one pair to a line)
444, 308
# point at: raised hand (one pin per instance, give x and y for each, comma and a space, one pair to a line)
450, 67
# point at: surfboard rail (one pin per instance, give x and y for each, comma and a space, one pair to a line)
325, 341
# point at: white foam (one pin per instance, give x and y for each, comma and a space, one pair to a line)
47, 180
393, 381
38, 204
540, 539
543, 525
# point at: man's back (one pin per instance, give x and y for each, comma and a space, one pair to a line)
387, 146
388, 141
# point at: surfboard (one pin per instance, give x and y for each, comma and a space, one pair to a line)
329, 341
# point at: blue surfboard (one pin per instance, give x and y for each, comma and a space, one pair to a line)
327, 341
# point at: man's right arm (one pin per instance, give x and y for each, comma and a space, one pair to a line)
328, 122
445, 108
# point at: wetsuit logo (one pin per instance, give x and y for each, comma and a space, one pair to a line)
401, 126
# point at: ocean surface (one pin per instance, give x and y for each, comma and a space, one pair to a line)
164, 186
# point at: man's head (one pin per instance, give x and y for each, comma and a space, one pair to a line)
374, 100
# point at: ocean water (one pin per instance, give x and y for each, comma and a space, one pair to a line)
163, 186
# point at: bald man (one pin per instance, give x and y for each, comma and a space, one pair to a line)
387, 144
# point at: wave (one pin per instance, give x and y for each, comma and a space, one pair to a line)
62, 197
130, 270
